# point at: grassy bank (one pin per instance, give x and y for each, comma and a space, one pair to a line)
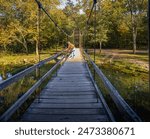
13, 63
129, 74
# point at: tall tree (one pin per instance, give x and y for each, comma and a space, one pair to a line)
136, 8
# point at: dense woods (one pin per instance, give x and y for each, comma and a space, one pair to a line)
119, 24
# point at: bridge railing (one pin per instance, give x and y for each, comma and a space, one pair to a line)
21, 74
8, 113
126, 111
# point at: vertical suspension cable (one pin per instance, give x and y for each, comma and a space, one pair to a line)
38, 31
74, 37
95, 29
95, 1
84, 39
57, 43
149, 38
67, 38
78, 38
38, 44
86, 42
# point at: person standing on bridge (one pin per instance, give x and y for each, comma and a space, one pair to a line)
70, 48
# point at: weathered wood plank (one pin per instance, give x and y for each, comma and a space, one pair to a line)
64, 118
69, 89
69, 83
74, 88
58, 111
73, 75
72, 93
73, 72
64, 101
71, 80
69, 106
45, 96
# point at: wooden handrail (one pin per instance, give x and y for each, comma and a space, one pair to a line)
121, 104
99, 93
7, 115
21, 74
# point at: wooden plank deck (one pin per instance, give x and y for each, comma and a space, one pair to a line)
69, 97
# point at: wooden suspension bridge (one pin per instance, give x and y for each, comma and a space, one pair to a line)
71, 96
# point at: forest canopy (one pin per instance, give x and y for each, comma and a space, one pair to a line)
119, 24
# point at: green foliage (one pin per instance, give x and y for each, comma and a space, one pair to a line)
18, 28
119, 24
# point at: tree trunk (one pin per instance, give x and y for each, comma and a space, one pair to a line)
5, 48
38, 33
26, 47
100, 47
134, 31
37, 48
